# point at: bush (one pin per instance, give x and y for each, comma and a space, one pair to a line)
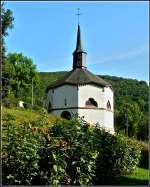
69, 152
67, 157
119, 155
27, 105
56, 155
20, 153
10, 102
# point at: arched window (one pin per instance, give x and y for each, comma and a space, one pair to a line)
91, 103
66, 115
108, 105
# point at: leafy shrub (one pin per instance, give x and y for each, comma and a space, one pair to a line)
128, 155
119, 155
67, 157
69, 152
57, 155
10, 102
36, 107
27, 105
20, 153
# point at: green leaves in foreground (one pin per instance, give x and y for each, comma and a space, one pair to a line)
69, 152
20, 153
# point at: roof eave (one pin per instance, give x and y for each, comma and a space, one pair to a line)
77, 84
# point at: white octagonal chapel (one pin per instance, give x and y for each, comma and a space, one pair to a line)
82, 92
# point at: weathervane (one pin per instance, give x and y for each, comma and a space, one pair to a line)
78, 14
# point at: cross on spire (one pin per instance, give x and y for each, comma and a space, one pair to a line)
78, 14
79, 55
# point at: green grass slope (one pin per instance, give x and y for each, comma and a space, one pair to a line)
25, 115
140, 177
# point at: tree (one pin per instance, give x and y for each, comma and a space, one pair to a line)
137, 120
19, 71
7, 23
8, 72
7, 20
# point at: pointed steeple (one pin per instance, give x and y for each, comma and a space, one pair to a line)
79, 44
79, 54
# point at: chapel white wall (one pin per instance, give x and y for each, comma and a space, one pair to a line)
108, 95
92, 116
109, 120
89, 91
102, 115
57, 96
76, 97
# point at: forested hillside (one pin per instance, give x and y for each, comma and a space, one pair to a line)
128, 93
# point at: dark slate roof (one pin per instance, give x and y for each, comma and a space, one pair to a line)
79, 76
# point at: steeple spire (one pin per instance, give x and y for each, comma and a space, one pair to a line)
79, 54
79, 44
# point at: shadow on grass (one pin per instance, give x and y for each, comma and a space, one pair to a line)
144, 159
121, 180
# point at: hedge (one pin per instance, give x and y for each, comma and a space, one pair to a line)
70, 152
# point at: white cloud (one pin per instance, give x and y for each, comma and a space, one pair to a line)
126, 55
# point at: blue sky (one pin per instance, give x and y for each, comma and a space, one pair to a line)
114, 35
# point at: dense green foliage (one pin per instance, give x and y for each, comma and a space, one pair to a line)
7, 20
68, 152
119, 156
18, 72
7, 23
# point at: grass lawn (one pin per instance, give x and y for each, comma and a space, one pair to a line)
22, 115
141, 174
140, 177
